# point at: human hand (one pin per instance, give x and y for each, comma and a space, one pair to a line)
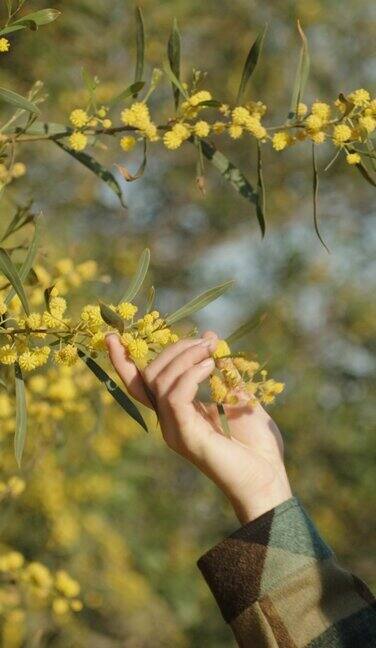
248, 466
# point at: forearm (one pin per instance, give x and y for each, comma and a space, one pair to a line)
278, 584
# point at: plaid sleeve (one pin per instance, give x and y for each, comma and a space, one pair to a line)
278, 584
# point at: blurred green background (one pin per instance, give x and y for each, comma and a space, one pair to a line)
159, 514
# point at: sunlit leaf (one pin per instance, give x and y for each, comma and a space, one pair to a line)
301, 76
260, 206
199, 302
315, 189
28, 262
8, 96
90, 163
250, 64
9, 271
21, 414
140, 46
244, 329
139, 277
114, 390
133, 89
111, 317
174, 80
174, 53
32, 21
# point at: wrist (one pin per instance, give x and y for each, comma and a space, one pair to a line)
248, 506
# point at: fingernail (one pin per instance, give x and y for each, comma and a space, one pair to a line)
209, 362
206, 343
109, 336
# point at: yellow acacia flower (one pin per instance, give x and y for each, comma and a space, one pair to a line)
321, 110
240, 115
235, 131
341, 134
102, 112
218, 127
359, 97
8, 354
67, 356
246, 366
368, 123
254, 126
78, 141
76, 605
11, 561
126, 310
60, 605
34, 320
66, 585
269, 390
353, 158
137, 116
218, 388
91, 317
162, 337
198, 97
107, 123
127, 142
4, 45
137, 349
3, 308
302, 110
87, 269
182, 131
79, 118
16, 486
281, 140
202, 128
171, 140
18, 170
222, 349
39, 576
58, 306
313, 122
318, 137
98, 341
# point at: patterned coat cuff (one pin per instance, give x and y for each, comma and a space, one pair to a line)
261, 556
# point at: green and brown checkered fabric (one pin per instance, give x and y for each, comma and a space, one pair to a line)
278, 584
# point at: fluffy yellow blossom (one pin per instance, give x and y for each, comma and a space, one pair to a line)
67, 355
18, 170
137, 116
218, 127
38, 384
202, 128
126, 310
8, 354
33, 358
313, 122
254, 126
136, 347
281, 140
218, 388
341, 134
60, 605
4, 45
79, 118
64, 266
246, 366
76, 605
102, 112
127, 143
240, 115
368, 123
151, 132
235, 131
171, 140
33, 321
58, 306
66, 585
87, 269
321, 110
16, 486
39, 576
222, 349
302, 110
91, 317
318, 137
182, 131
78, 141
162, 337
269, 390
3, 308
107, 123
199, 97
360, 97
11, 561
98, 341
353, 158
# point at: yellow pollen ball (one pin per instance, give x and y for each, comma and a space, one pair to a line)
353, 158
79, 117
78, 141
127, 143
4, 45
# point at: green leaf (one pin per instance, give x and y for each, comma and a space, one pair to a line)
244, 329
133, 89
150, 300
17, 100
174, 80
230, 172
260, 206
173, 53
10, 272
223, 419
315, 189
21, 414
49, 129
111, 318
38, 18
28, 262
301, 76
140, 46
94, 166
250, 64
199, 302
114, 390
139, 277
210, 103
362, 168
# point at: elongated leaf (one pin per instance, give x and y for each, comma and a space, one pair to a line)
49, 129
94, 166
21, 414
17, 100
174, 80
140, 46
260, 207
301, 76
223, 419
315, 188
38, 18
199, 302
28, 262
19, 220
349, 105
244, 329
250, 64
111, 318
114, 390
210, 103
90, 82
150, 300
11, 28
10, 272
362, 168
133, 89
174, 53
139, 277
230, 172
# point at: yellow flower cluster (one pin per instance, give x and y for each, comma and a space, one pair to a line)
4, 45
138, 117
84, 123
16, 170
234, 380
